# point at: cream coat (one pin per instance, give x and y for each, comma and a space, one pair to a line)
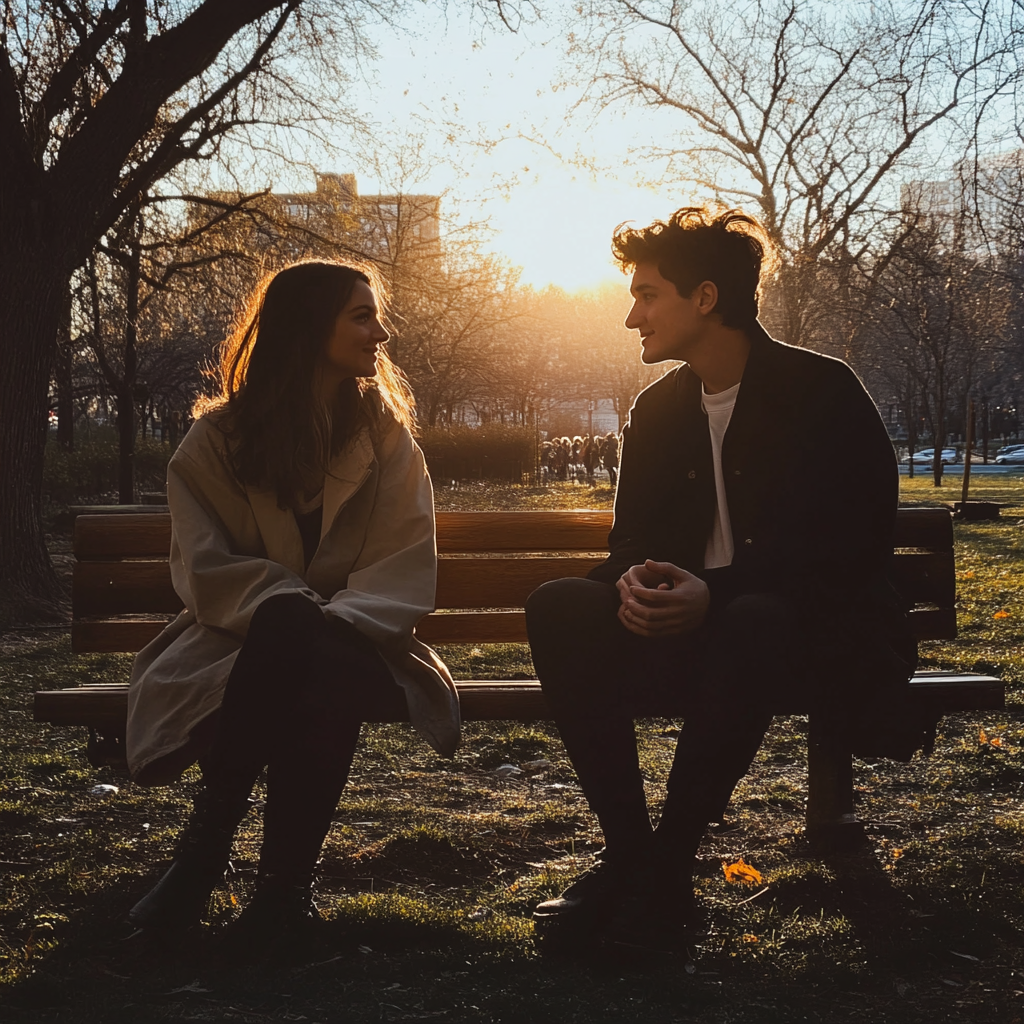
232, 547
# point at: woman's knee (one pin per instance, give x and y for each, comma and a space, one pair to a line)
288, 611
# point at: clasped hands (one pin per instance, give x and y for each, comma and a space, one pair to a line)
660, 599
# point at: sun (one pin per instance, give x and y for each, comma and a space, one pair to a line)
558, 227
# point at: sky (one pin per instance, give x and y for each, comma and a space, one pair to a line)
493, 122
504, 145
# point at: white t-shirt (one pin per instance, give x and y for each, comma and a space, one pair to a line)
719, 408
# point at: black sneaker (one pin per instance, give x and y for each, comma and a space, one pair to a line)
590, 900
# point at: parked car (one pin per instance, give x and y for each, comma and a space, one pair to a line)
926, 456
1006, 449
1011, 458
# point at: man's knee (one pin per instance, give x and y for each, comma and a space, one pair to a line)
756, 617
563, 609
756, 649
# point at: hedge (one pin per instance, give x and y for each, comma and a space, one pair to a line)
88, 473
490, 452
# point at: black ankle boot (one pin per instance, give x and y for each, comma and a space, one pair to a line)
200, 860
280, 920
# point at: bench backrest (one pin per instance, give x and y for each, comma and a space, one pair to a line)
490, 562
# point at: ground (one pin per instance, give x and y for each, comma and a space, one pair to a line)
432, 867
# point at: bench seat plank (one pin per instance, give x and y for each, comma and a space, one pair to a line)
112, 636
100, 704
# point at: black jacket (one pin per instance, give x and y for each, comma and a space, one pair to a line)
812, 489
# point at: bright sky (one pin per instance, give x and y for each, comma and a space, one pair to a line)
551, 216
500, 139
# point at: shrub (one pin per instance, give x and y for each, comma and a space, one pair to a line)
88, 474
493, 451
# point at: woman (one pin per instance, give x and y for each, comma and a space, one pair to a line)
302, 546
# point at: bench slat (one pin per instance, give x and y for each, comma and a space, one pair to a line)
501, 582
144, 586
149, 535
113, 636
139, 535
925, 577
107, 704
522, 531
473, 628
928, 528
139, 587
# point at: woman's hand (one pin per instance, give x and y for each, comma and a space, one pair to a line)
660, 599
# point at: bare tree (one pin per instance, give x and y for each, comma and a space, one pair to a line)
940, 315
97, 103
801, 110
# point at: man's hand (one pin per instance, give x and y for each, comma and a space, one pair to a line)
660, 599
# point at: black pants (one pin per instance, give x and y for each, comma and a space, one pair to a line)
723, 679
294, 702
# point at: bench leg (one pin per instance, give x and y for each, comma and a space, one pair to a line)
107, 747
830, 816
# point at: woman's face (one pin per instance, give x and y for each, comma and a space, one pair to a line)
351, 351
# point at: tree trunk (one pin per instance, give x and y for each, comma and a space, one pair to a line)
126, 396
939, 439
62, 375
33, 293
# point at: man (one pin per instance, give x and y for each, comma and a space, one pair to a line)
746, 574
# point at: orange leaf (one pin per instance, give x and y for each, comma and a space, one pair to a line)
741, 872
1001, 614
749, 938
982, 738
996, 741
967, 575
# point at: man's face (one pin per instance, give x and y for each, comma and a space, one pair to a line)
669, 324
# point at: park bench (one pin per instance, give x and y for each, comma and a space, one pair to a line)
489, 563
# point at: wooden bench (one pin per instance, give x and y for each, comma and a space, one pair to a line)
489, 563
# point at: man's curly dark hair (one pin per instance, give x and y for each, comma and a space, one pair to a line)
700, 243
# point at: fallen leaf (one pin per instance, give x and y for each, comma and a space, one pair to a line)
1001, 614
741, 872
750, 938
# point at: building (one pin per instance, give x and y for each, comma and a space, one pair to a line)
332, 221
377, 227
980, 204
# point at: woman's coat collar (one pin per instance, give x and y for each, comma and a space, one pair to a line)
277, 525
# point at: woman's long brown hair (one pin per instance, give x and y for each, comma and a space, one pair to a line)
283, 437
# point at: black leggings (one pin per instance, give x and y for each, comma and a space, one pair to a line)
299, 690
723, 679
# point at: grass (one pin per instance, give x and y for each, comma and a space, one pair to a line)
432, 867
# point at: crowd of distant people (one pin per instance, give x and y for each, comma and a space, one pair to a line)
564, 458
